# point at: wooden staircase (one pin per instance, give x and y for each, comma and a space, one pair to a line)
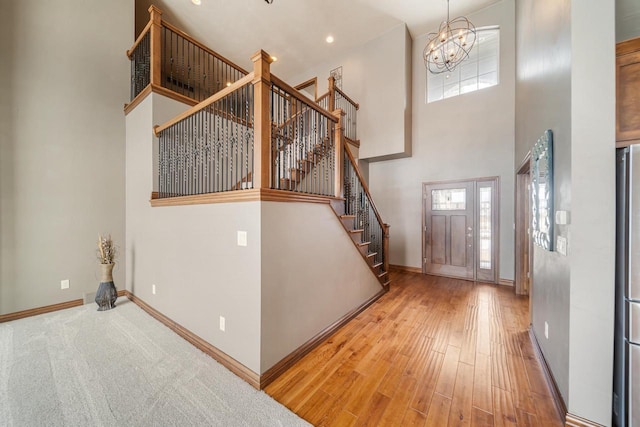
348, 222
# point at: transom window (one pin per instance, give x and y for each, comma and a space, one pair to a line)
478, 71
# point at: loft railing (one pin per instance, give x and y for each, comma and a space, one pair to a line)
302, 142
359, 203
336, 99
210, 147
167, 57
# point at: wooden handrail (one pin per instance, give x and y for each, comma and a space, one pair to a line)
202, 46
139, 39
364, 184
293, 92
345, 96
213, 98
322, 97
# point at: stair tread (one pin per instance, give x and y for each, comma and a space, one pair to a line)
377, 265
382, 274
347, 216
372, 254
363, 243
360, 230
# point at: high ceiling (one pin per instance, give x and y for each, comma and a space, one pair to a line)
295, 30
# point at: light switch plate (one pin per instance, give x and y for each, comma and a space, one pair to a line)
64, 284
561, 245
242, 238
562, 217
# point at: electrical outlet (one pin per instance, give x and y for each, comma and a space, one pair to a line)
153, 289
222, 323
546, 330
242, 238
64, 284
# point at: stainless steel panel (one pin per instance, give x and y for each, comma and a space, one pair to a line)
633, 290
634, 385
634, 322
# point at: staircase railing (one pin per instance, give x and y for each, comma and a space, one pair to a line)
359, 203
210, 147
302, 142
165, 56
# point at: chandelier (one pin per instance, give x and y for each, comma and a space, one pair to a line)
450, 45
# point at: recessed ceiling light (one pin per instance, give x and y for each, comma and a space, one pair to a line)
274, 58
196, 2
329, 39
228, 84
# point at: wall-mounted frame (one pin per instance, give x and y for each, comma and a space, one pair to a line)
542, 191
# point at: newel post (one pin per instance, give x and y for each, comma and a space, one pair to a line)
338, 137
385, 246
156, 45
332, 93
262, 120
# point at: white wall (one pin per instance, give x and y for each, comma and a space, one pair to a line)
65, 80
592, 249
543, 101
467, 136
312, 275
376, 76
555, 90
190, 252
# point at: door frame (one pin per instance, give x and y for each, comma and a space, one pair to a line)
495, 224
522, 227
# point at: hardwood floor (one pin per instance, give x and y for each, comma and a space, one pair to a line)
431, 352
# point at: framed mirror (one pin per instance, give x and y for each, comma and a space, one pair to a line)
542, 191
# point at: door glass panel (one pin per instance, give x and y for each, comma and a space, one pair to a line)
450, 199
484, 228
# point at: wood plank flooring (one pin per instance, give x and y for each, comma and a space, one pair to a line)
431, 352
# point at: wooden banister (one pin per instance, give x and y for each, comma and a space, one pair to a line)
364, 183
213, 98
294, 93
332, 93
345, 96
339, 154
203, 47
139, 39
261, 81
156, 44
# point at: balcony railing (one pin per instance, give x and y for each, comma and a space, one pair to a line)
167, 57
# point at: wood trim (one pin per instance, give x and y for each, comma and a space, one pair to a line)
364, 183
345, 96
561, 407
139, 39
576, 421
311, 82
293, 92
199, 106
627, 143
155, 74
279, 368
209, 198
628, 46
506, 282
159, 90
405, 268
262, 158
250, 195
40, 310
202, 46
225, 360
138, 99
354, 142
45, 309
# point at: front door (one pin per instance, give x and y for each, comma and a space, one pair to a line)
460, 230
449, 229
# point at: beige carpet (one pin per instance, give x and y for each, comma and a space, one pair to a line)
81, 367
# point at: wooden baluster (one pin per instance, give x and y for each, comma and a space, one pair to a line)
156, 45
332, 94
339, 153
262, 119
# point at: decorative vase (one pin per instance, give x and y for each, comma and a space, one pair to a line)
107, 294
